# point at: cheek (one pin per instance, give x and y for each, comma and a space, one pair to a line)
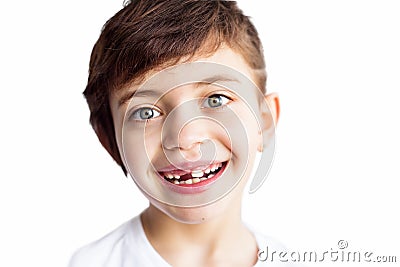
223, 134
246, 131
254, 135
138, 149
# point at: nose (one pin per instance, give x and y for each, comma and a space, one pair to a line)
185, 130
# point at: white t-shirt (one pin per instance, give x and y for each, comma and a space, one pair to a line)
127, 246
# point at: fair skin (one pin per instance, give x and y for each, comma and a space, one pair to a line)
202, 235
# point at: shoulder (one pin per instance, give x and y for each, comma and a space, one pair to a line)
101, 251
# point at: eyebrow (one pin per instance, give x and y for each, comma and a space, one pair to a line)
148, 92
141, 93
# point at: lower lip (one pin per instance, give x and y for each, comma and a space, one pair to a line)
194, 188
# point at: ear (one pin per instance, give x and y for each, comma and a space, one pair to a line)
270, 111
272, 100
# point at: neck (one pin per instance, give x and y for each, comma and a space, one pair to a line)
208, 242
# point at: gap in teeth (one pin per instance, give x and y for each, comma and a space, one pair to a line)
197, 176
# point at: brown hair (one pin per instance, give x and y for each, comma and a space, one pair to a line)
148, 34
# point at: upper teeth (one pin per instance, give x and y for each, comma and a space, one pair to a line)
171, 176
197, 174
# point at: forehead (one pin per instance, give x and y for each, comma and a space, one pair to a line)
225, 68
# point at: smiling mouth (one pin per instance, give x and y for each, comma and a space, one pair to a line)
197, 176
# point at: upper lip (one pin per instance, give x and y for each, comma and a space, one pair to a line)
188, 166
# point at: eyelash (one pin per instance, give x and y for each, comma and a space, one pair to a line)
135, 115
226, 101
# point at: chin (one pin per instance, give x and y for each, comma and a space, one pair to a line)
221, 208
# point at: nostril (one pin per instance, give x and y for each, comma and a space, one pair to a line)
192, 153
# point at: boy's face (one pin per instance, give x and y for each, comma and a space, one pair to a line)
189, 134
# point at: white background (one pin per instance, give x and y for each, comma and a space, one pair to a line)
336, 66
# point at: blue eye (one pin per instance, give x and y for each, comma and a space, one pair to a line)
145, 113
215, 101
